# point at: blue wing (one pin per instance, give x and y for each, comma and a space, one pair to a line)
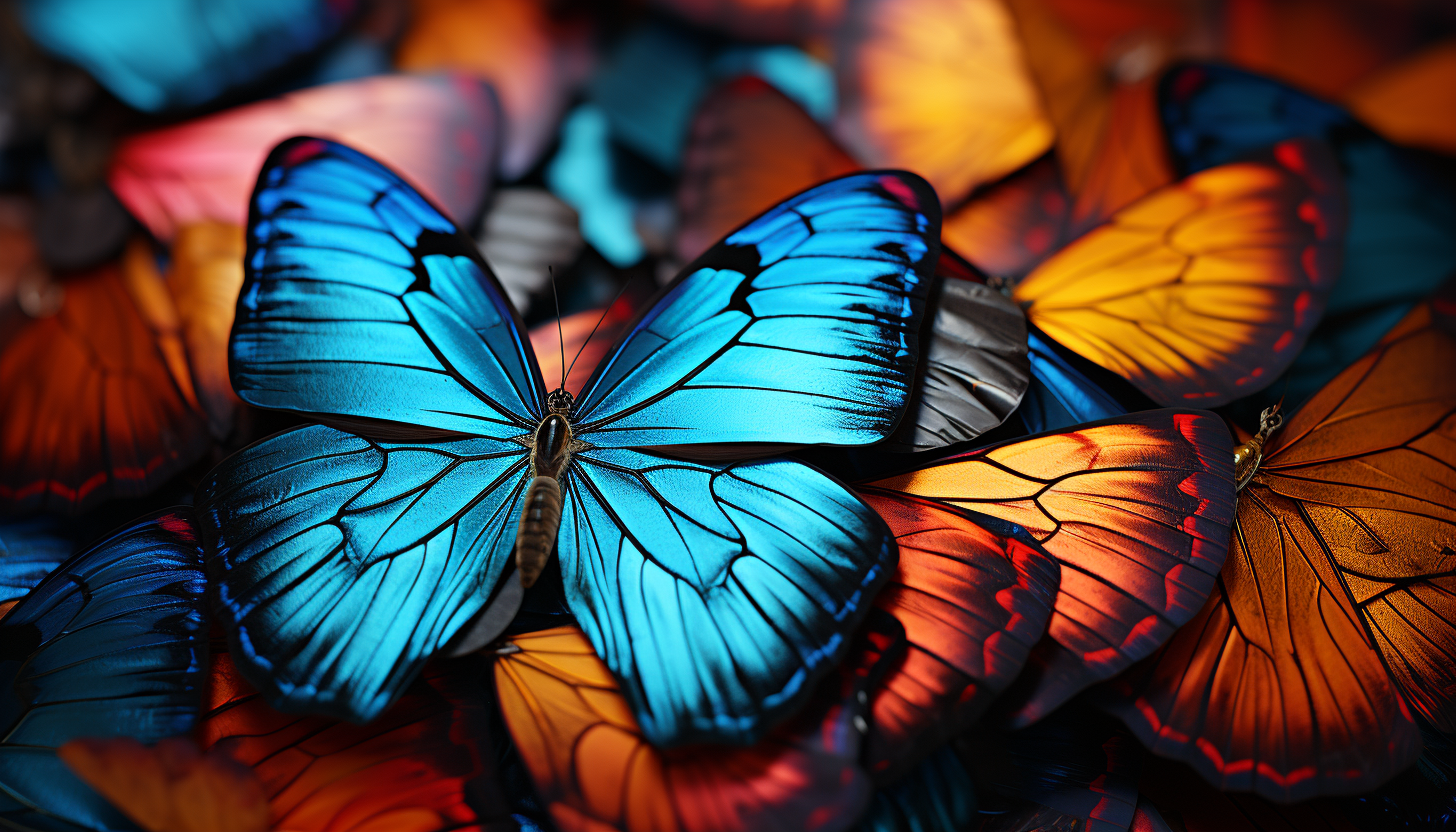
111, 644
1059, 396
363, 301
1401, 233
29, 550
716, 593
342, 564
802, 327
937, 796
160, 54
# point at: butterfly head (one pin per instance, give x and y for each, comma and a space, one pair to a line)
558, 401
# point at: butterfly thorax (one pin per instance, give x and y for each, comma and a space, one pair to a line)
551, 449
1248, 455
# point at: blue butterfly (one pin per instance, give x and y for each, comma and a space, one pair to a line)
346, 554
1401, 234
113, 643
164, 54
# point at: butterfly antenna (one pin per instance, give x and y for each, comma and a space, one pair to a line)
599, 323
560, 338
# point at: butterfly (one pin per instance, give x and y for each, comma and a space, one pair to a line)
29, 550
533, 57
1332, 618
769, 20
594, 769
1112, 534
99, 400
1398, 241
386, 530
113, 643
170, 54
441, 131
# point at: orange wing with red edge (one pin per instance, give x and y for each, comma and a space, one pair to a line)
1337, 607
1136, 511
974, 595
749, 146
98, 402
939, 87
594, 770
424, 766
1204, 291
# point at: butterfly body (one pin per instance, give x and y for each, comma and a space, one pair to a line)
541, 512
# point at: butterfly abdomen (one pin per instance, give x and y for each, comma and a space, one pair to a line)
536, 535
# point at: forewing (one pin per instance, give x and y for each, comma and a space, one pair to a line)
29, 550
938, 87
94, 407
748, 148
1204, 291
1136, 510
341, 563
802, 327
112, 644
363, 301
439, 131
595, 768
717, 594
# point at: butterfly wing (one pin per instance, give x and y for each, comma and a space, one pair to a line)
595, 769
363, 301
1135, 510
1399, 244
175, 53
748, 148
29, 550
1009, 227
974, 595
1334, 610
111, 644
1059, 395
717, 593
802, 327
534, 57
939, 795
1411, 101
940, 88
439, 131
331, 549
98, 403
206, 275
1204, 291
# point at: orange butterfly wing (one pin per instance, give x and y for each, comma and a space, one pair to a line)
1412, 102
938, 87
1337, 606
171, 786
206, 276
1135, 510
592, 767
1204, 291
1008, 228
424, 766
98, 403
973, 603
772, 20
749, 146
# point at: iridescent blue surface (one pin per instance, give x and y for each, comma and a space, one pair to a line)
1401, 234
29, 549
161, 54
1059, 396
112, 644
716, 592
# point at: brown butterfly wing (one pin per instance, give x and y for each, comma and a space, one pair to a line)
749, 147
1335, 608
1136, 510
94, 406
